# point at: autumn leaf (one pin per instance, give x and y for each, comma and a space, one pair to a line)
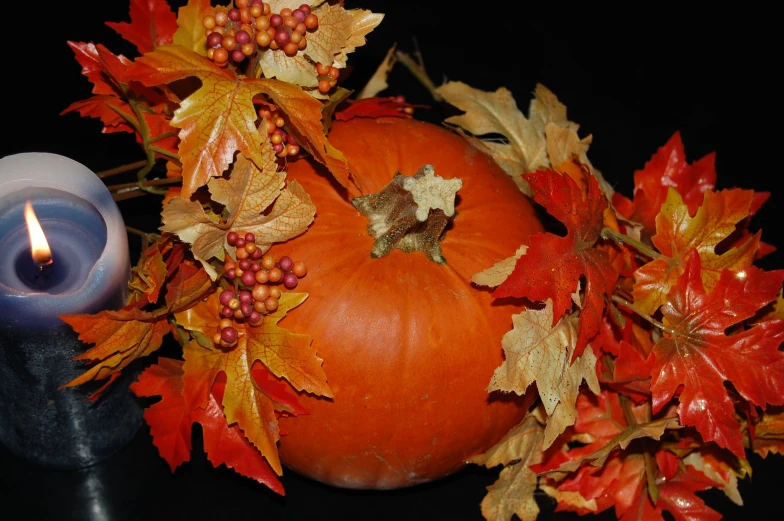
513, 492
538, 351
718, 471
667, 169
152, 24
147, 277
495, 275
376, 108
122, 336
285, 354
697, 355
378, 82
340, 32
529, 141
171, 424
678, 234
219, 118
190, 32
553, 265
769, 433
246, 195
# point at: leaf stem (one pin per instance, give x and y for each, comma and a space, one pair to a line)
625, 303
610, 234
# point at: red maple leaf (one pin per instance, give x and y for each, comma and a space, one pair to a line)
171, 424
697, 355
553, 265
667, 168
375, 108
152, 24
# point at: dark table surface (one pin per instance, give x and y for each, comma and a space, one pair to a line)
629, 79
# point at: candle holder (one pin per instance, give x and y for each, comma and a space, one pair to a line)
61, 428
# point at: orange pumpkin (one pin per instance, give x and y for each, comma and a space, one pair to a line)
409, 345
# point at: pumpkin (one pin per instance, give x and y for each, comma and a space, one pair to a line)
409, 345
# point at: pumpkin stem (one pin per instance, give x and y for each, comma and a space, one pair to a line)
410, 213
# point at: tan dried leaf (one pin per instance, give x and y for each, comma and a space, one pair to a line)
496, 274
378, 82
190, 31
247, 195
513, 493
712, 468
537, 351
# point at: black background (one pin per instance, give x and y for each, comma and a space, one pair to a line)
631, 77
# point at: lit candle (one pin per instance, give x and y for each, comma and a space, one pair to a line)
63, 250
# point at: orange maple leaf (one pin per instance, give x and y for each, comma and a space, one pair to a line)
152, 24
677, 234
286, 355
219, 118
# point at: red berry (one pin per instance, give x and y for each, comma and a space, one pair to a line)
229, 335
242, 38
227, 311
290, 281
214, 40
232, 237
234, 15
282, 37
255, 266
249, 278
244, 264
256, 255
249, 237
255, 317
240, 243
278, 148
246, 297
299, 14
231, 273
237, 55
276, 20
285, 263
246, 309
305, 8
226, 296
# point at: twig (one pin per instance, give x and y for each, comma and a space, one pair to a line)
419, 73
152, 182
122, 169
609, 233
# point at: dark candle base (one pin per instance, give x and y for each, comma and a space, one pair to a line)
54, 427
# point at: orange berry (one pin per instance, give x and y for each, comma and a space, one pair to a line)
303, 44
274, 45
285, 12
300, 28
250, 247
270, 126
220, 55
299, 269
292, 149
262, 23
259, 306
241, 4
242, 254
256, 11
260, 292
324, 86
221, 18
333, 73
238, 314
238, 272
262, 276
271, 304
229, 43
245, 16
276, 138
290, 22
275, 292
208, 22
216, 338
295, 39
275, 274
322, 69
311, 21
234, 303
268, 262
248, 49
279, 122
211, 54
291, 48
226, 322
267, 8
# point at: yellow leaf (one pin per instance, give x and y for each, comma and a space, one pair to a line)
247, 195
190, 32
496, 274
378, 82
537, 351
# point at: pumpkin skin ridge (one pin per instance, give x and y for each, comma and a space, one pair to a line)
377, 447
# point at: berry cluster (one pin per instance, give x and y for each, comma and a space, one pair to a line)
282, 142
238, 33
328, 77
260, 276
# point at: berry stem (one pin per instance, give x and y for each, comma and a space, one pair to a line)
121, 169
610, 234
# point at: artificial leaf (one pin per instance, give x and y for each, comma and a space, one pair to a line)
376, 108
667, 169
245, 403
100, 66
553, 265
769, 433
246, 195
697, 355
528, 141
108, 109
152, 24
339, 33
718, 471
171, 423
513, 492
147, 277
219, 118
678, 234
538, 351
495, 275
378, 82
190, 31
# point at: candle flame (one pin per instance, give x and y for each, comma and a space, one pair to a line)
42, 254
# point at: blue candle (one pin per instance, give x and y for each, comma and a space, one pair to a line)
88, 272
